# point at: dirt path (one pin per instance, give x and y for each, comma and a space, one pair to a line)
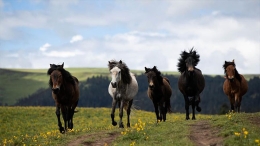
95, 139
202, 134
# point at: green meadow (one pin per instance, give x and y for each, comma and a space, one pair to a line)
38, 126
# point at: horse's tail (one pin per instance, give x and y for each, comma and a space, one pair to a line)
168, 105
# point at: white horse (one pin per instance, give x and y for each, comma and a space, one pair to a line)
123, 88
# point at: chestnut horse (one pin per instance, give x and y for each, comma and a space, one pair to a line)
235, 85
122, 88
159, 91
191, 81
65, 92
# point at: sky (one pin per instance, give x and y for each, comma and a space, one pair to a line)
142, 33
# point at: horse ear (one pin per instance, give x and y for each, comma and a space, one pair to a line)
233, 60
146, 70
62, 65
154, 67
120, 61
51, 65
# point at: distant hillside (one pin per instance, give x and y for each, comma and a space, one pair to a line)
94, 93
18, 83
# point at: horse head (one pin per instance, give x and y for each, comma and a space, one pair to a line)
116, 76
154, 77
188, 61
230, 71
56, 78
119, 72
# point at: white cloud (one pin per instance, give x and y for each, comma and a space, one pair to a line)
45, 47
64, 54
76, 38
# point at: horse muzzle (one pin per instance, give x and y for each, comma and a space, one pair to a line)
55, 90
231, 78
113, 84
151, 87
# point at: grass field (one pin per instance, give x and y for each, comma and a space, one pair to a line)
38, 126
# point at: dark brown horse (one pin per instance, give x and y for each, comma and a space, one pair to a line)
65, 92
235, 85
159, 91
191, 81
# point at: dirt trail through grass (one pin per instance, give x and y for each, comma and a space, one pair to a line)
202, 134
95, 139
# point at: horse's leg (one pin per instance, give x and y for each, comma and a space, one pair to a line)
162, 111
114, 123
121, 125
232, 102
64, 112
193, 110
70, 124
237, 103
187, 107
156, 111
128, 112
197, 104
58, 117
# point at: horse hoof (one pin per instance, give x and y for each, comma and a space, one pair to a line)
62, 130
193, 118
187, 118
128, 125
121, 126
198, 109
114, 123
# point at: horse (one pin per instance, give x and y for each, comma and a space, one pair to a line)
235, 85
191, 81
159, 91
65, 92
122, 88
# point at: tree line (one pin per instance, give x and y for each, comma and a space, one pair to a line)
94, 93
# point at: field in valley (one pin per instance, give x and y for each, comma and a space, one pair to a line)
92, 126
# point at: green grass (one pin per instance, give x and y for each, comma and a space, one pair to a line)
38, 126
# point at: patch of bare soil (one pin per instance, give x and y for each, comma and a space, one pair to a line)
202, 134
254, 120
95, 139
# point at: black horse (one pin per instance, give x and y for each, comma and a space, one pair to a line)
65, 92
191, 81
159, 91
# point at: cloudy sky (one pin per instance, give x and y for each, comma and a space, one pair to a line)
86, 33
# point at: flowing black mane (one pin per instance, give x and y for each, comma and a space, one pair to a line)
65, 74
125, 72
226, 64
157, 72
184, 55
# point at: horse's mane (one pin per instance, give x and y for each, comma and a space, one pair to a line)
125, 71
226, 64
184, 55
157, 72
65, 74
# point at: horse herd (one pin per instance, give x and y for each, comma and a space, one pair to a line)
124, 87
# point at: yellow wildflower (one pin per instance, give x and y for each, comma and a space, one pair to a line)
237, 133
257, 141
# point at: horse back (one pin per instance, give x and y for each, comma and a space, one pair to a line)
200, 80
166, 88
243, 86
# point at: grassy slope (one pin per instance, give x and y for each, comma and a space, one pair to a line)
40, 127
18, 83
